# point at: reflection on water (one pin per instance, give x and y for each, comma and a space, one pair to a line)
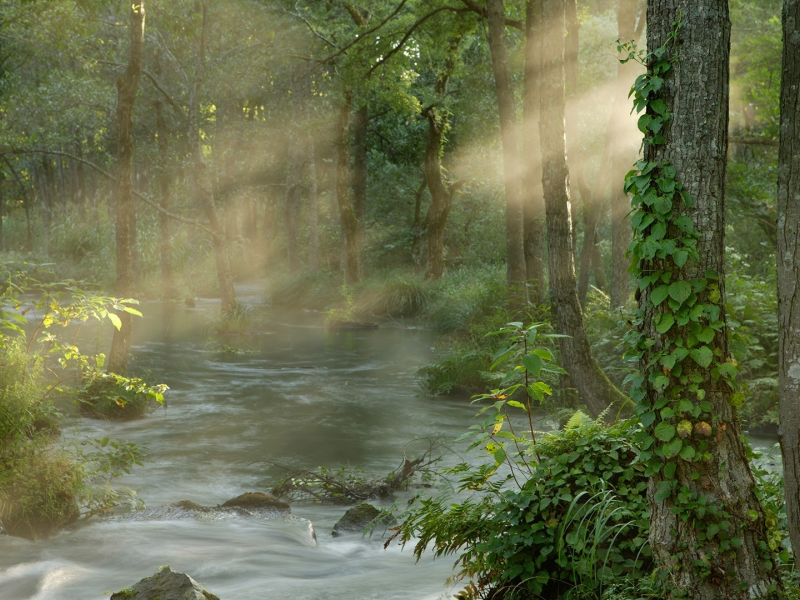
301, 396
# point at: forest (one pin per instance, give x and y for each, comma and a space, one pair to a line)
406, 299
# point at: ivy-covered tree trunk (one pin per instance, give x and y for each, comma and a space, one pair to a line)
515, 254
127, 86
789, 267
707, 528
202, 182
620, 164
533, 199
594, 388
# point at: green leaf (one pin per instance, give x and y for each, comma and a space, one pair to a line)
533, 364
658, 295
673, 447
669, 470
702, 356
665, 323
680, 258
664, 490
706, 336
115, 320
664, 431
680, 291
687, 453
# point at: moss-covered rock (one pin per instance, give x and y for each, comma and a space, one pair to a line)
165, 585
358, 518
257, 501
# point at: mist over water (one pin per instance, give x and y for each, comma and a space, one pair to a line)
301, 396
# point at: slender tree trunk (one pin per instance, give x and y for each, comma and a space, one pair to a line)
515, 253
574, 154
127, 86
292, 195
360, 127
418, 228
347, 214
591, 218
594, 388
165, 241
620, 164
533, 198
202, 183
697, 506
789, 267
313, 207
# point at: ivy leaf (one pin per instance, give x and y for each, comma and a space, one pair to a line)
665, 323
658, 295
680, 258
669, 470
702, 356
680, 291
685, 224
687, 453
673, 447
659, 231
706, 336
664, 491
664, 431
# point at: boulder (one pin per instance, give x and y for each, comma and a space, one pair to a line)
166, 584
358, 518
257, 501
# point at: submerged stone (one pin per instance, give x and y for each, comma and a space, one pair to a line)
358, 518
166, 584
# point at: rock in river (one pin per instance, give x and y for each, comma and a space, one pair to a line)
166, 584
357, 518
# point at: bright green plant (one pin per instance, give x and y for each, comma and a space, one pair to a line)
562, 514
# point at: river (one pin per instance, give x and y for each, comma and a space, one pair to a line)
301, 396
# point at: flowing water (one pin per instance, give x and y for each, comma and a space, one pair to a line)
301, 396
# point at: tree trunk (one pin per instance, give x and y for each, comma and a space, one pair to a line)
202, 183
594, 388
533, 198
313, 207
441, 196
789, 267
515, 253
592, 201
360, 126
127, 86
574, 154
292, 195
165, 241
621, 164
418, 228
707, 528
347, 214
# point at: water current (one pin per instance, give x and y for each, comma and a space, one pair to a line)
301, 396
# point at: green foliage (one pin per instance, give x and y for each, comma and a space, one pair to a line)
42, 486
562, 515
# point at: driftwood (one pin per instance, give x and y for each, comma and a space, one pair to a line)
349, 485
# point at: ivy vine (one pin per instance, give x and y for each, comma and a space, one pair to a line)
683, 362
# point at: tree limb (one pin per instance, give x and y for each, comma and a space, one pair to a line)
484, 12
753, 141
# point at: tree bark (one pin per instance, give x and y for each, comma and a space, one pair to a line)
533, 198
347, 213
515, 253
441, 196
360, 126
127, 86
788, 256
418, 228
202, 182
594, 388
695, 93
620, 164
